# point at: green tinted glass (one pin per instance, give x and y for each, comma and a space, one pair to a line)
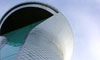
16, 27
15, 41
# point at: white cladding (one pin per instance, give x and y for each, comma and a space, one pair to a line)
3, 41
50, 40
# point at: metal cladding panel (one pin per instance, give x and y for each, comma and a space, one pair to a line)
50, 40
60, 35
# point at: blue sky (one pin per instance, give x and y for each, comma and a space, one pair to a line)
84, 18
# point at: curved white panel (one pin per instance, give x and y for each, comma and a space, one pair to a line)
53, 38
